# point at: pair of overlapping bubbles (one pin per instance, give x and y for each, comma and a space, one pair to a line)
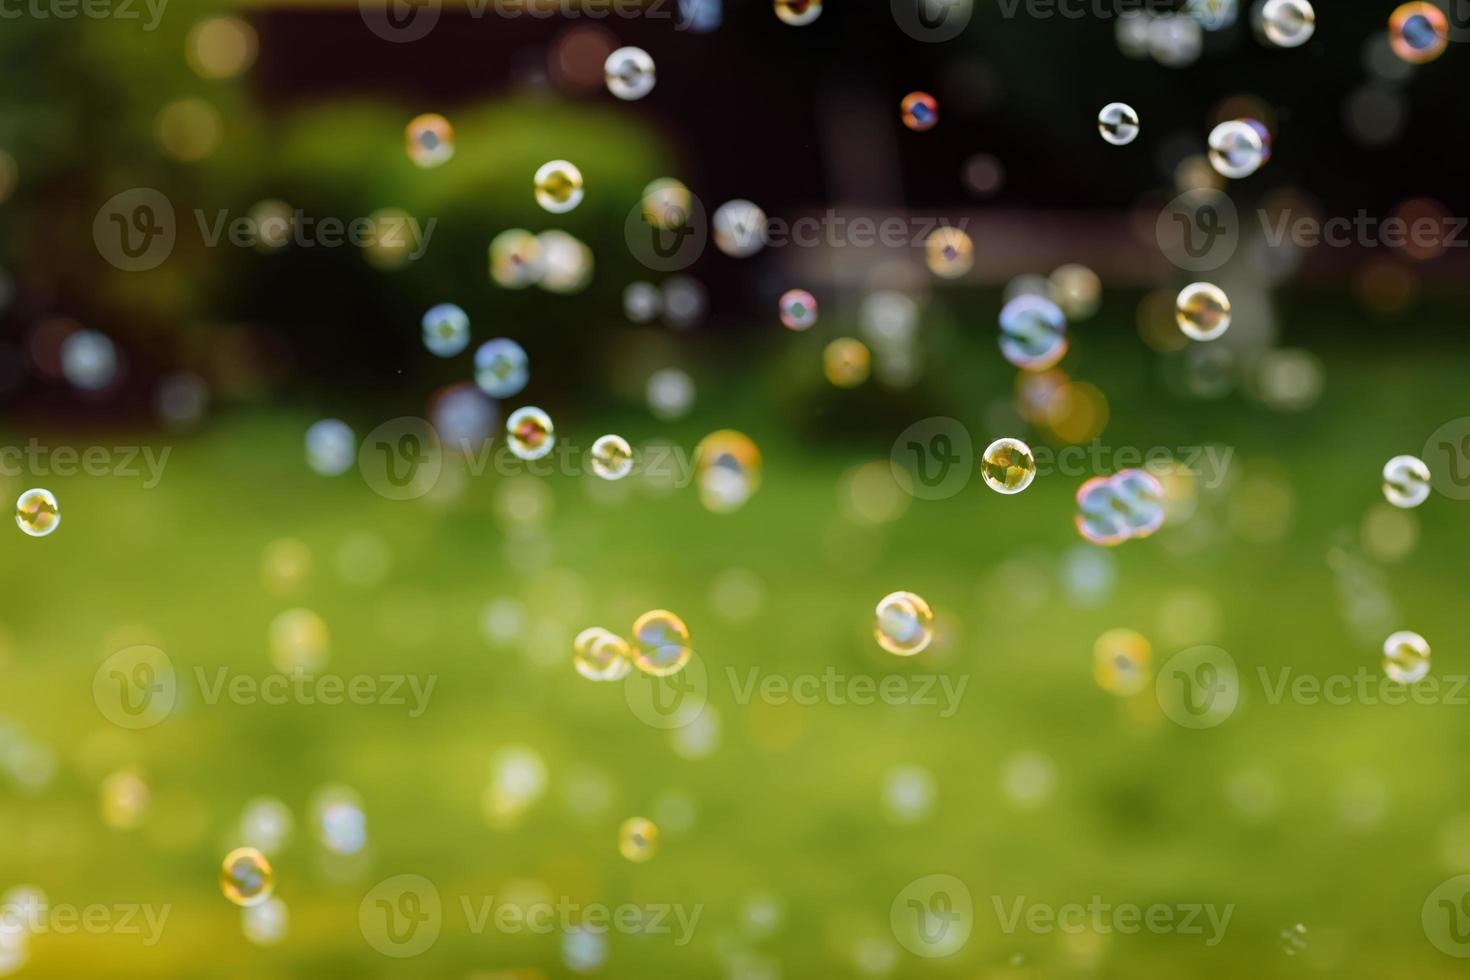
1113, 509
660, 647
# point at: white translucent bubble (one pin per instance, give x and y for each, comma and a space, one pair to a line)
1288, 23
446, 330
1118, 123
331, 447
1406, 481
642, 302
265, 924
685, 301
670, 394
908, 794
502, 367
181, 400
739, 228
630, 73
1236, 149
89, 360
530, 433
463, 417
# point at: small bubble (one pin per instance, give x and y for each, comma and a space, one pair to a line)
558, 186
904, 624
1202, 311
245, 877
530, 433
660, 643
612, 457
798, 309
1118, 123
638, 839
446, 330
1405, 657
36, 512
429, 139
629, 73
1008, 466
919, 111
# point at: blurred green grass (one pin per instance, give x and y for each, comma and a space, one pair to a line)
791, 803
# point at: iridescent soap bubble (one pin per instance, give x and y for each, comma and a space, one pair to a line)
798, 309
667, 203
1202, 311
1008, 466
446, 330
727, 467
629, 73
1288, 23
430, 140
670, 394
515, 259
740, 228
1076, 289
1121, 662
612, 457
638, 839
949, 252
36, 512
558, 186
1113, 509
1236, 149
798, 13
331, 447
530, 433
660, 643
1405, 657
600, 655
846, 362
1118, 123
501, 367
1406, 481
1418, 32
1033, 332
245, 877
919, 111
904, 624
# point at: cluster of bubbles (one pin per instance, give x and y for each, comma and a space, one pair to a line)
660, 646
555, 260
1113, 509
36, 512
903, 624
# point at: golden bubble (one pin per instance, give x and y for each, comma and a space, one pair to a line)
638, 839
904, 624
846, 362
188, 130
245, 877
221, 47
1122, 662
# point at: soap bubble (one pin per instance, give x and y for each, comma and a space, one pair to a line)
1008, 466
846, 362
1405, 657
629, 73
1032, 332
245, 877
612, 457
331, 447
600, 655
919, 111
1288, 23
949, 252
558, 186
740, 228
1406, 481
1236, 149
798, 13
1202, 311
530, 433
798, 309
1118, 123
36, 512
446, 330
430, 140
638, 839
660, 643
904, 624
1418, 32
501, 367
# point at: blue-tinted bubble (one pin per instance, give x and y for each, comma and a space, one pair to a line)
446, 330
1113, 509
501, 367
1033, 332
331, 447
